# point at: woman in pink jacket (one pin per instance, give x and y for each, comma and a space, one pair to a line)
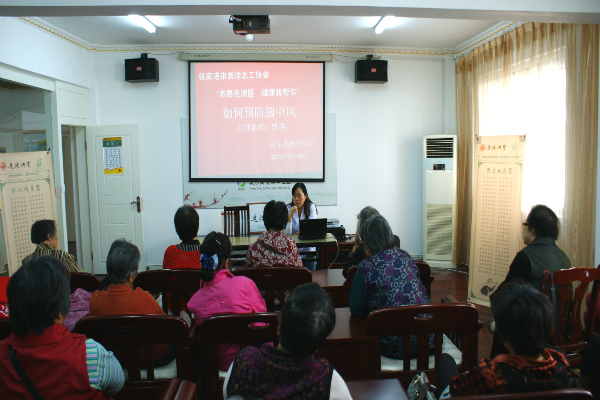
221, 292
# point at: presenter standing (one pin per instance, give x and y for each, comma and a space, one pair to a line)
301, 207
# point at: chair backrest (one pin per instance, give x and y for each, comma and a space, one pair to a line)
4, 328
350, 275
425, 275
172, 389
572, 286
177, 284
275, 282
128, 333
85, 281
245, 329
236, 221
558, 394
421, 320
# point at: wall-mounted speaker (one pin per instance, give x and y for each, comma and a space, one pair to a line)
141, 69
371, 71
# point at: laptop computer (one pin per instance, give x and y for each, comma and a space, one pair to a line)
313, 228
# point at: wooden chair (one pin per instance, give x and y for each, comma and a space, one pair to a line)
274, 282
85, 281
236, 220
245, 329
572, 286
4, 328
558, 394
424, 273
178, 285
176, 389
127, 334
422, 320
339, 294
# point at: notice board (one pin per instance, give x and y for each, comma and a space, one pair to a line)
496, 222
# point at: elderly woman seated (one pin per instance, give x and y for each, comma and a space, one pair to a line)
121, 299
41, 359
290, 371
358, 251
44, 235
273, 247
388, 277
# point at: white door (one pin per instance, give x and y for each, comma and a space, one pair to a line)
114, 180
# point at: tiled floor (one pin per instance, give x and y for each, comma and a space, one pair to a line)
455, 283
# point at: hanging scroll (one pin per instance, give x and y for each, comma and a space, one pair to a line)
26, 196
496, 222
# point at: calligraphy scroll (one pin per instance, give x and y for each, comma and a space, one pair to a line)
496, 222
26, 196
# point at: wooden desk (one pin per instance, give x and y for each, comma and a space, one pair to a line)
377, 389
332, 280
328, 277
243, 242
348, 349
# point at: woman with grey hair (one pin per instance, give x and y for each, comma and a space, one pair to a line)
388, 277
121, 298
358, 252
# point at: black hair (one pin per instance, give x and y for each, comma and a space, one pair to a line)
122, 261
544, 221
307, 202
307, 318
187, 223
215, 243
37, 293
43, 229
523, 317
376, 234
275, 215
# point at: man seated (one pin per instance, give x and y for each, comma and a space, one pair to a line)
44, 235
121, 299
53, 363
524, 319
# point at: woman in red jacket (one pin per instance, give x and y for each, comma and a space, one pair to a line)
56, 363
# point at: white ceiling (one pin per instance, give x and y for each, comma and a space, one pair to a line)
429, 24
293, 30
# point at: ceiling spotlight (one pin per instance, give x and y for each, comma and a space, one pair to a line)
249, 37
386, 22
143, 22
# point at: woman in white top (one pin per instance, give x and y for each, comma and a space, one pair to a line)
301, 207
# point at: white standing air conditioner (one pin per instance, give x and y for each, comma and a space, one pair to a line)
439, 199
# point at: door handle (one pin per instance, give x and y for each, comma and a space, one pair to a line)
138, 202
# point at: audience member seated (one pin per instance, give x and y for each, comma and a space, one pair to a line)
540, 232
273, 247
358, 251
185, 255
290, 370
121, 299
524, 319
590, 367
44, 234
59, 364
388, 277
221, 292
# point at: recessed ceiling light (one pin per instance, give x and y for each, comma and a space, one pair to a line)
386, 22
143, 22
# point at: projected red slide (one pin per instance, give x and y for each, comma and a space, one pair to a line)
256, 120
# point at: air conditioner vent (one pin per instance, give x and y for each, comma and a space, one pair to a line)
440, 148
439, 230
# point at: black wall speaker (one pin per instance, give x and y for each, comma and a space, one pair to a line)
141, 69
371, 71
